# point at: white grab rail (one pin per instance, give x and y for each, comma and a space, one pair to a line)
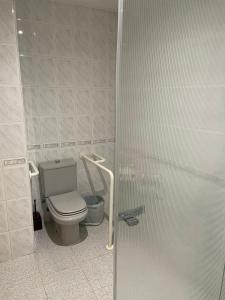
97, 161
33, 170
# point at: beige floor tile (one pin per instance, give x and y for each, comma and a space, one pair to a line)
79, 272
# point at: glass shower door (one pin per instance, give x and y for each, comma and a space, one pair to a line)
170, 156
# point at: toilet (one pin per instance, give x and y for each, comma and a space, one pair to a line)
58, 184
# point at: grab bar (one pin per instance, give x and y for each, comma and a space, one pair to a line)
91, 183
97, 162
33, 170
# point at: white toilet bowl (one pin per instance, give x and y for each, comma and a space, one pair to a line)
67, 211
61, 202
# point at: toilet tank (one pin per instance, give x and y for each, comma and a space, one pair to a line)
58, 177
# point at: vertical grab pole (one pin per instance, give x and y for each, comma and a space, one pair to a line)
97, 163
109, 246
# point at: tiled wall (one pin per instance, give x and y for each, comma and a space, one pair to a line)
67, 56
16, 231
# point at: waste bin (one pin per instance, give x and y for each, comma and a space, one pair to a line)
95, 206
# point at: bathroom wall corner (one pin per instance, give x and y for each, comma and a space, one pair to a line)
16, 230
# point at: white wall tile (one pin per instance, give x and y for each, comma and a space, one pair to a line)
81, 44
45, 71
67, 130
83, 102
42, 10
42, 39
82, 182
111, 125
112, 101
23, 9
99, 20
99, 44
110, 155
64, 72
27, 66
62, 14
8, 65
112, 45
11, 108
63, 42
112, 22
11, 145
48, 130
45, 102
7, 24
19, 213
100, 74
66, 105
3, 217
99, 128
84, 128
5, 250
69, 152
1, 184
100, 149
81, 17
50, 154
100, 101
15, 182
38, 156
29, 102
22, 241
111, 73
81, 73
33, 129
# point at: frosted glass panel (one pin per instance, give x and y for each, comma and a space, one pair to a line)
170, 156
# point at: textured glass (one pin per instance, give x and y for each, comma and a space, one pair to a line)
170, 155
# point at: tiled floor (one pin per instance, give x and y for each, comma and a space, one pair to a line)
80, 272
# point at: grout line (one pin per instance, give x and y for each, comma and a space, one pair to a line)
89, 284
43, 286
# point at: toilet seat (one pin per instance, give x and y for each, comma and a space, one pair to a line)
68, 204
67, 209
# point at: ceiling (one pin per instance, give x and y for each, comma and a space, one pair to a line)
109, 5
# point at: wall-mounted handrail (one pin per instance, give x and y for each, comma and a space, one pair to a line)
33, 170
94, 192
97, 161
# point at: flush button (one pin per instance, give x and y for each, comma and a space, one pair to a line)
57, 161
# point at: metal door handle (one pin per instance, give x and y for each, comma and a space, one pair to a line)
130, 220
130, 216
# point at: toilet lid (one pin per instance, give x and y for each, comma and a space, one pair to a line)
68, 203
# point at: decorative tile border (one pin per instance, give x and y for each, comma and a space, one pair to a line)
111, 140
50, 146
100, 141
84, 142
33, 147
70, 144
13, 162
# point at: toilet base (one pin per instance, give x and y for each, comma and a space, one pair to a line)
68, 234
61, 235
